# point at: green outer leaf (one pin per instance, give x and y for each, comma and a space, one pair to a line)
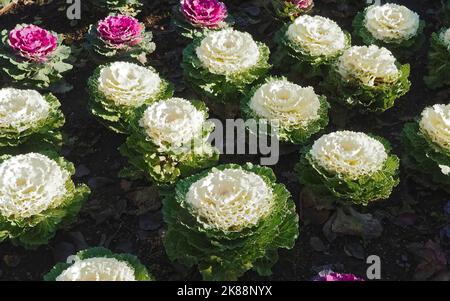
126, 7
140, 271
296, 135
161, 166
103, 52
299, 60
39, 229
117, 118
403, 49
46, 130
373, 99
28, 74
438, 63
422, 157
361, 191
228, 255
222, 88
191, 31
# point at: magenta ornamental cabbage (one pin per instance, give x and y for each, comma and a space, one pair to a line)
119, 37
328, 275
32, 42
120, 30
204, 13
302, 4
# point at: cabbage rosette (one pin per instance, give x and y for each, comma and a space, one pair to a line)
439, 60
32, 57
309, 44
392, 26
222, 64
296, 112
368, 78
291, 9
193, 17
118, 88
351, 167
125, 7
119, 37
99, 264
168, 140
37, 197
229, 220
28, 117
426, 144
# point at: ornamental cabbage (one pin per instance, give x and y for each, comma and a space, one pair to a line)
99, 264
426, 145
368, 78
309, 43
292, 8
352, 167
119, 37
229, 220
393, 26
125, 7
296, 112
37, 197
28, 116
33, 57
222, 64
168, 139
117, 89
193, 16
439, 60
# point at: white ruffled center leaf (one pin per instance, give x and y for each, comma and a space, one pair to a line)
286, 103
127, 84
445, 37
319, 36
31, 184
391, 22
98, 269
228, 51
22, 109
173, 122
230, 199
349, 153
370, 65
435, 123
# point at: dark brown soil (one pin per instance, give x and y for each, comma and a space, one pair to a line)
114, 218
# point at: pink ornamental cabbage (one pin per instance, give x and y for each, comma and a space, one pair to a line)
32, 42
302, 4
204, 13
120, 30
332, 276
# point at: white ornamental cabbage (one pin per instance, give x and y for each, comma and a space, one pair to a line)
30, 184
391, 22
349, 153
228, 52
22, 109
286, 103
128, 84
316, 35
370, 65
98, 269
435, 123
445, 38
230, 199
173, 122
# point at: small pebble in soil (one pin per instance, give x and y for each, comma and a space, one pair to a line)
82, 171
